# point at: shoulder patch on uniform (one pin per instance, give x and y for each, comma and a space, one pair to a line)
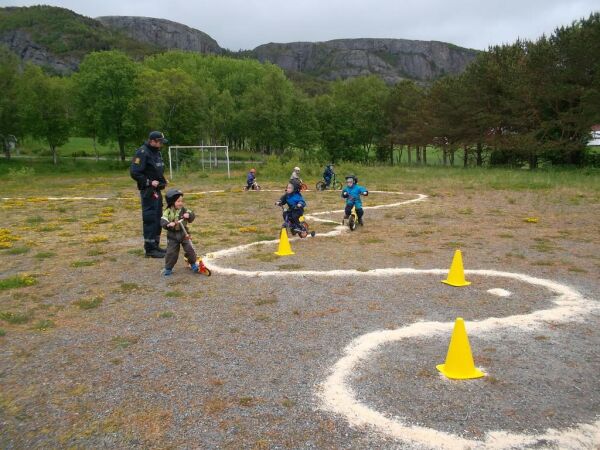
136, 161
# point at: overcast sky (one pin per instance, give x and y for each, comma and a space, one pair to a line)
245, 24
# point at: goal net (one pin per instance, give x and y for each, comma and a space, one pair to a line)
198, 157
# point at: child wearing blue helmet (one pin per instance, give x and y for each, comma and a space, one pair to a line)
352, 192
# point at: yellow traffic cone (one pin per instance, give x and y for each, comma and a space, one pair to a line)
284, 244
459, 360
456, 276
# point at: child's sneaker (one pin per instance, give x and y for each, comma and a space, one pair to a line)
195, 267
167, 272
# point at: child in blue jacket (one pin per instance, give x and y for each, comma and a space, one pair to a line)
251, 180
352, 192
328, 173
295, 202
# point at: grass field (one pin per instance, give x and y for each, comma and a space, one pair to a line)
99, 350
84, 147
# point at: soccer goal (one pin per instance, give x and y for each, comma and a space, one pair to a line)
207, 157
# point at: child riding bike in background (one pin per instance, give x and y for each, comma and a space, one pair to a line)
251, 183
352, 192
296, 204
295, 178
296, 175
328, 173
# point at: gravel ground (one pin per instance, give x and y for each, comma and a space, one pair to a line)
535, 381
236, 362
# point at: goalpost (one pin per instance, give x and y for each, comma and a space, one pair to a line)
209, 156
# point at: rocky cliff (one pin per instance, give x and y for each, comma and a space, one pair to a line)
392, 59
21, 43
163, 33
58, 38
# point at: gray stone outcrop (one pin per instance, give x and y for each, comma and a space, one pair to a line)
392, 59
163, 33
20, 43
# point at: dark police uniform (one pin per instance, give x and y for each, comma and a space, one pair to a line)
147, 165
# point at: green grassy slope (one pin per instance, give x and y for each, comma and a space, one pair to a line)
66, 33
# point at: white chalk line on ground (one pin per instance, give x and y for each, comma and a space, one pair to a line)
337, 396
339, 229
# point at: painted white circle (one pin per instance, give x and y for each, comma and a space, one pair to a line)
338, 397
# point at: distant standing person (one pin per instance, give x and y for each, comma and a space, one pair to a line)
147, 168
295, 176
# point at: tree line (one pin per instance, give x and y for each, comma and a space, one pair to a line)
522, 103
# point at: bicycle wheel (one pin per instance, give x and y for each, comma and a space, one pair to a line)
303, 187
321, 186
337, 185
352, 222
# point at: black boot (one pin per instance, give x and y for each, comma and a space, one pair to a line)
159, 248
154, 253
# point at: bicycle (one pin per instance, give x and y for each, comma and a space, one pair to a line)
301, 228
333, 184
302, 186
202, 269
353, 217
254, 187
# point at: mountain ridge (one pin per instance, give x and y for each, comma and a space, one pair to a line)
163, 33
59, 38
392, 59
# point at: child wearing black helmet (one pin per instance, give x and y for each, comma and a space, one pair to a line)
295, 202
176, 234
328, 173
352, 192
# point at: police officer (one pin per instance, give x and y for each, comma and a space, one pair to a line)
147, 168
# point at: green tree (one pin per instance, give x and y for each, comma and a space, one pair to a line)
445, 112
352, 117
401, 119
9, 119
266, 110
44, 107
336, 136
221, 113
105, 87
569, 66
304, 125
177, 106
